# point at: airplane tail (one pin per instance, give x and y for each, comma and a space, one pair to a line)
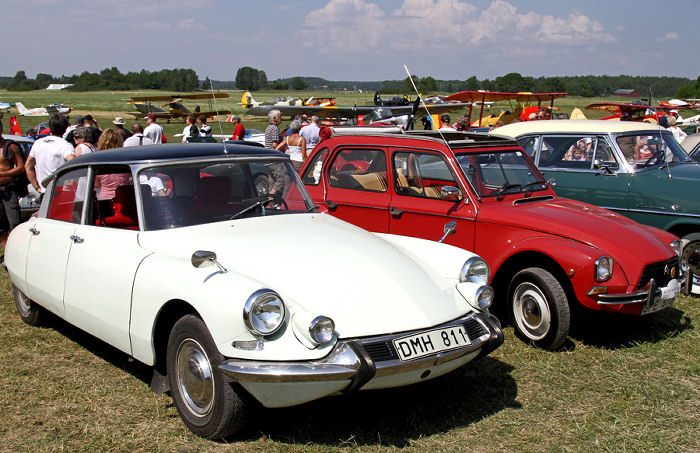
22, 109
247, 100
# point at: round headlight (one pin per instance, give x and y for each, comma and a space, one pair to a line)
322, 329
475, 270
484, 297
677, 246
264, 312
603, 268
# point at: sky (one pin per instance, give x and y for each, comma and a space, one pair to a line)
363, 40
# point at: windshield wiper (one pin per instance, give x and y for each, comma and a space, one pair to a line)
260, 202
506, 187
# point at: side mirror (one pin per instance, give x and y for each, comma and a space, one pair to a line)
449, 228
450, 193
204, 258
552, 182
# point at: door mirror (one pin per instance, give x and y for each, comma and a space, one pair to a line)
205, 258
449, 228
450, 193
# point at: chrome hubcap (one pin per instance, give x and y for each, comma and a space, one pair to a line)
194, 377
690, 261
531, 311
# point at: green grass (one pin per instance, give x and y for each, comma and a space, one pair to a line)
621, 384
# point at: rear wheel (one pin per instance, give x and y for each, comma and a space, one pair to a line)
28, 310
205, 397
538, 308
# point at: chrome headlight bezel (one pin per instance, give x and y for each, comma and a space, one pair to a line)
484, 297
603, 269
322, 329
475, 270
259, 303
677, 246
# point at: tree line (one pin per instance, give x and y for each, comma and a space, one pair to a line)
252, 79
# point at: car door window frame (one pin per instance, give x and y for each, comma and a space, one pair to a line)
377, 183
445, 161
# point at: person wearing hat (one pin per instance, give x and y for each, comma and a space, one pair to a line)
677, 132
239, 130
153, 131
119, 123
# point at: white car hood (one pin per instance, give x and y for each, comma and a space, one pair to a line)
324, 265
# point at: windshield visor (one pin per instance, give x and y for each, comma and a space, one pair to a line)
499, 173
205, 192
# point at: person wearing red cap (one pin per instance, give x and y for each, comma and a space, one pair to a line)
153, 131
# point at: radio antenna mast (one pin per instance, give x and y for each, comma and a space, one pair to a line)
218, 120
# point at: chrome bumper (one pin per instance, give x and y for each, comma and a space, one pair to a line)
650, 295
353, 363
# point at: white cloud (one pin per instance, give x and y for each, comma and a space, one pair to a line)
441, 27
670, 36
189, 25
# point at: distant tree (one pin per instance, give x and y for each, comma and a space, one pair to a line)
280, 85
298, 84
250, 79
407, 87
513, 83
427, 84
472, 84
44, 80
206, 84
691, 91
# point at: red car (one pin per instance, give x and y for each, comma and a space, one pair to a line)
546, 253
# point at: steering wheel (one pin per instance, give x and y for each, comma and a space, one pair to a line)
655, 157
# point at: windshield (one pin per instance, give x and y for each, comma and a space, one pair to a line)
182, 195
498, 173
651, 149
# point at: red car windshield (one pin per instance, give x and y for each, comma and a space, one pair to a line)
497, 173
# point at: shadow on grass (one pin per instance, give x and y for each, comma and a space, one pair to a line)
101, 349
394, 417
616, 331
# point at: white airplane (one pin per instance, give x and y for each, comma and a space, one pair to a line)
42, 111
6, 105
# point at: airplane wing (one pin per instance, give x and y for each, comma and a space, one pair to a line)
174, 97
616, 108
497, 96
350, 111
158, 115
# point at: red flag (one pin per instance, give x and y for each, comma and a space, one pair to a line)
14, 126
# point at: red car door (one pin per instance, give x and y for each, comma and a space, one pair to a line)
419, 208
355, 184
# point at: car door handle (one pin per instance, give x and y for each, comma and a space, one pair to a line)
395, 212
34, 231
331, 205
76, 239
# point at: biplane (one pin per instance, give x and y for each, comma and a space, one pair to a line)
522, 104
176, 109
632, 111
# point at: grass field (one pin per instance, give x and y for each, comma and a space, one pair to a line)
621, 384
105, 105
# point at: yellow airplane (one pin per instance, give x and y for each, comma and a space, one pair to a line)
176, 109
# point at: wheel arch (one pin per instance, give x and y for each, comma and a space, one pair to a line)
167, 317
521, 260
684, 229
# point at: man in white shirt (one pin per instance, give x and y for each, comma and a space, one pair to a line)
153, 130
204, 128
310, 134
137, 138
48, 153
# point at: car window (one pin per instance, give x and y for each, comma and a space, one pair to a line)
604, 156
529, 144
359, 169
421, 174
193, 194
648, 149
571, 151
113, 199
313, 171
68, 196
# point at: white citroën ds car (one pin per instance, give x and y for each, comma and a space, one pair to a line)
228, 292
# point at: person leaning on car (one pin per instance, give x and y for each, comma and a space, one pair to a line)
11, 166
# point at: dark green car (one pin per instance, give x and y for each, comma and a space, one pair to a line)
633, 168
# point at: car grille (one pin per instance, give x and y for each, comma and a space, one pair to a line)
660, 272
383, 350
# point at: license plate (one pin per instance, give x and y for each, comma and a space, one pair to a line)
668, 294
431, 342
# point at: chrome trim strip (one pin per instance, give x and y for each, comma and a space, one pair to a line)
679, 214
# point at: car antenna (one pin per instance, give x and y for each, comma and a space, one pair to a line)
469, 197
661, 139
218, 120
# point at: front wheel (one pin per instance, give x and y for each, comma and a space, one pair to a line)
204, 397
690, 261
539, 309
28, 310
